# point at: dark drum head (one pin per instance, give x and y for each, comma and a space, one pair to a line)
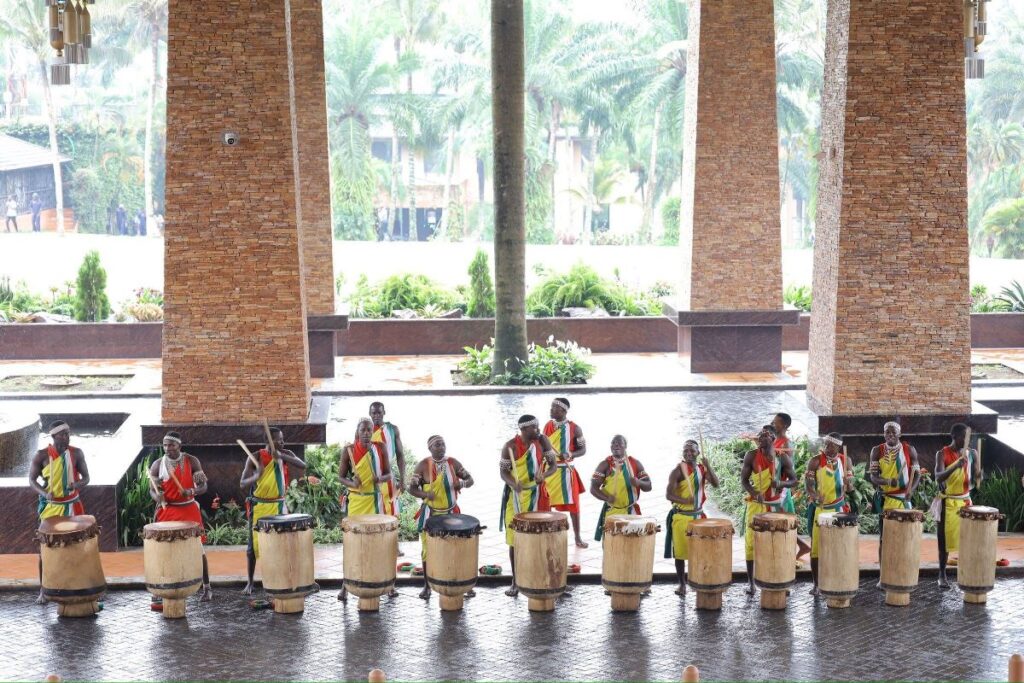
452, 525
846, 519
284, 523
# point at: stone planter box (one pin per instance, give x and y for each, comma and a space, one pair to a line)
430, 337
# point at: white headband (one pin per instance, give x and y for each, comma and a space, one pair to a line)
563, 404
695, 444
172, 438
60, 428
831, 439
529, 423
894, 425
434, 439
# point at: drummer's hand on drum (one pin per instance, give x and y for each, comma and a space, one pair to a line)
357, 483
759, 499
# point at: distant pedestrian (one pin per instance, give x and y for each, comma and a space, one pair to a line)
12, 214
140, 222
121, 218
37, 209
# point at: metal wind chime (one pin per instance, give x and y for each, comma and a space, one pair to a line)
70, 27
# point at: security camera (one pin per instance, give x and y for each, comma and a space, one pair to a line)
230, 139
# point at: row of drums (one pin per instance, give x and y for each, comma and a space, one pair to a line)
73, 577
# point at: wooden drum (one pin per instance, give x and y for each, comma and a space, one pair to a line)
627, 567
901, 554
838, 557
976, 571
286, 560
453, 547
774, 557
710, 572
370, 554
72, 573
541, 557
173, 560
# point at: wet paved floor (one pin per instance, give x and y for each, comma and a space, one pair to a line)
497, 638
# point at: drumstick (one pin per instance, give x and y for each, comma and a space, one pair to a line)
252, 458
152, 487
270, 440
170, 471
979, 452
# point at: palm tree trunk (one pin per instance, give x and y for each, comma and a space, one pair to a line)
446, 195
147, 170
556, 122
413, 223
393, 215
652, 174
588, 205
51, 120
508, 76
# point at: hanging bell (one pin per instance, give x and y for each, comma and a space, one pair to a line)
85, 27
60, 74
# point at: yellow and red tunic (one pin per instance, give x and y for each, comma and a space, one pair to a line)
897, 467
829, 478
783, 448
179, 508
385, 435
527, 461
440, 480
565, 485
955, 494
267, 495
58, 473
692, 481
370, 498
762, 479
622, 483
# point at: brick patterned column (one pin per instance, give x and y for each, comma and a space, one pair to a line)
890, 328
314, 164
731, 230
234, 341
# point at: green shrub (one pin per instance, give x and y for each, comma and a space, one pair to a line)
1011, 298
91, 303
481, 287
670, 221
1003, 491
557, 362
404, 291
798, 296
455, 222
582, 287
136, 508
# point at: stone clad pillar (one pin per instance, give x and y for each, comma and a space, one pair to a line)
307, 26
890, 326
234, 339
731, 312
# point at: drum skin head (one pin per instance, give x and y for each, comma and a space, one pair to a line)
66, 525
452, 524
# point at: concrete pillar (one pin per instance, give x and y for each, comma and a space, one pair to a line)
314, 163
730, 232
890, 326
234, 340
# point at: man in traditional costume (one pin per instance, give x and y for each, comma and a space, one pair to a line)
58, 473
617, 482
437, 480
828, 479
957, 471
895, 471
686, 492
565, 485
783, 447
763, 477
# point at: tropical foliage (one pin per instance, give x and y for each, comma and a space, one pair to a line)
556, 362
582, 287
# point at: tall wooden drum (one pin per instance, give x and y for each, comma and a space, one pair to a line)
710, 571
72, 573
774, 557
901, 554
838, 558
541, 556
627, 567
976, 570
453, 547
173, 560
370, 554
286, 560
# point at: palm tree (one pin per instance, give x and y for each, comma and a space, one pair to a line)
1003, 224
508, 74
27, 24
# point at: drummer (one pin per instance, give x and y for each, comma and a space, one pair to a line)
364, 469
526, 461
895, 471
178, 478
437, 480
686, 492
565, 485
784, 451
617, 482
957, 471
58, 473
267, 483
829, 478
762, 477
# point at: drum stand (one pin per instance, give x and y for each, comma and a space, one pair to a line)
78, 609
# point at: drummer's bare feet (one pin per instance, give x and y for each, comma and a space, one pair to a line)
471, 593
41, 600
879, 585
568, 588
343, 595
580, 543
814, 591
207, 595
248, 589
393, 593
681, 591
425, 593
750, 589
943, 582
513, 592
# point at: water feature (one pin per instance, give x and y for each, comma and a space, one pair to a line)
19, 436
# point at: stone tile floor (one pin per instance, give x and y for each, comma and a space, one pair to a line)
937, 637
